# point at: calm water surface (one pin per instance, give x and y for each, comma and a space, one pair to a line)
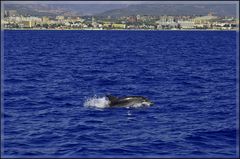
190, 76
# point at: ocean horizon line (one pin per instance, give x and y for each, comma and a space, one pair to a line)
128, 29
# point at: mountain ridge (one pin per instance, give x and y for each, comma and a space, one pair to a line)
173, 9
117, 10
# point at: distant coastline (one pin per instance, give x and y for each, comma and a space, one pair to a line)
144, 17
124, 29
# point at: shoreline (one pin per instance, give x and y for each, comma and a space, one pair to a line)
126, 29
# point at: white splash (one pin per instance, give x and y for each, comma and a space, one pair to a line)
98, 102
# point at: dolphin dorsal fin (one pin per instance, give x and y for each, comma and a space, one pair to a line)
111, 98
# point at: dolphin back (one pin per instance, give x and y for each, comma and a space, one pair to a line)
128, 100
111, 98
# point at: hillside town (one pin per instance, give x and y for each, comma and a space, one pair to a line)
13, 20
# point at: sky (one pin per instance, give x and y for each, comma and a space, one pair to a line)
120, 2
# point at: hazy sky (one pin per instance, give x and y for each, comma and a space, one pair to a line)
120, 2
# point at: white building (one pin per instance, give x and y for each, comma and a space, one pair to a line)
166, 22
204, 19
60, 17
186, 24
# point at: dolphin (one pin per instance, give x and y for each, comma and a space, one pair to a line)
128, 101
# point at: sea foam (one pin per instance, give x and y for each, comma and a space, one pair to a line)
98, 102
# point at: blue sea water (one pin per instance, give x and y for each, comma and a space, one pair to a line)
190, 76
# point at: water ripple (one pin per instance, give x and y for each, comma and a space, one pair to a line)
190, 76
